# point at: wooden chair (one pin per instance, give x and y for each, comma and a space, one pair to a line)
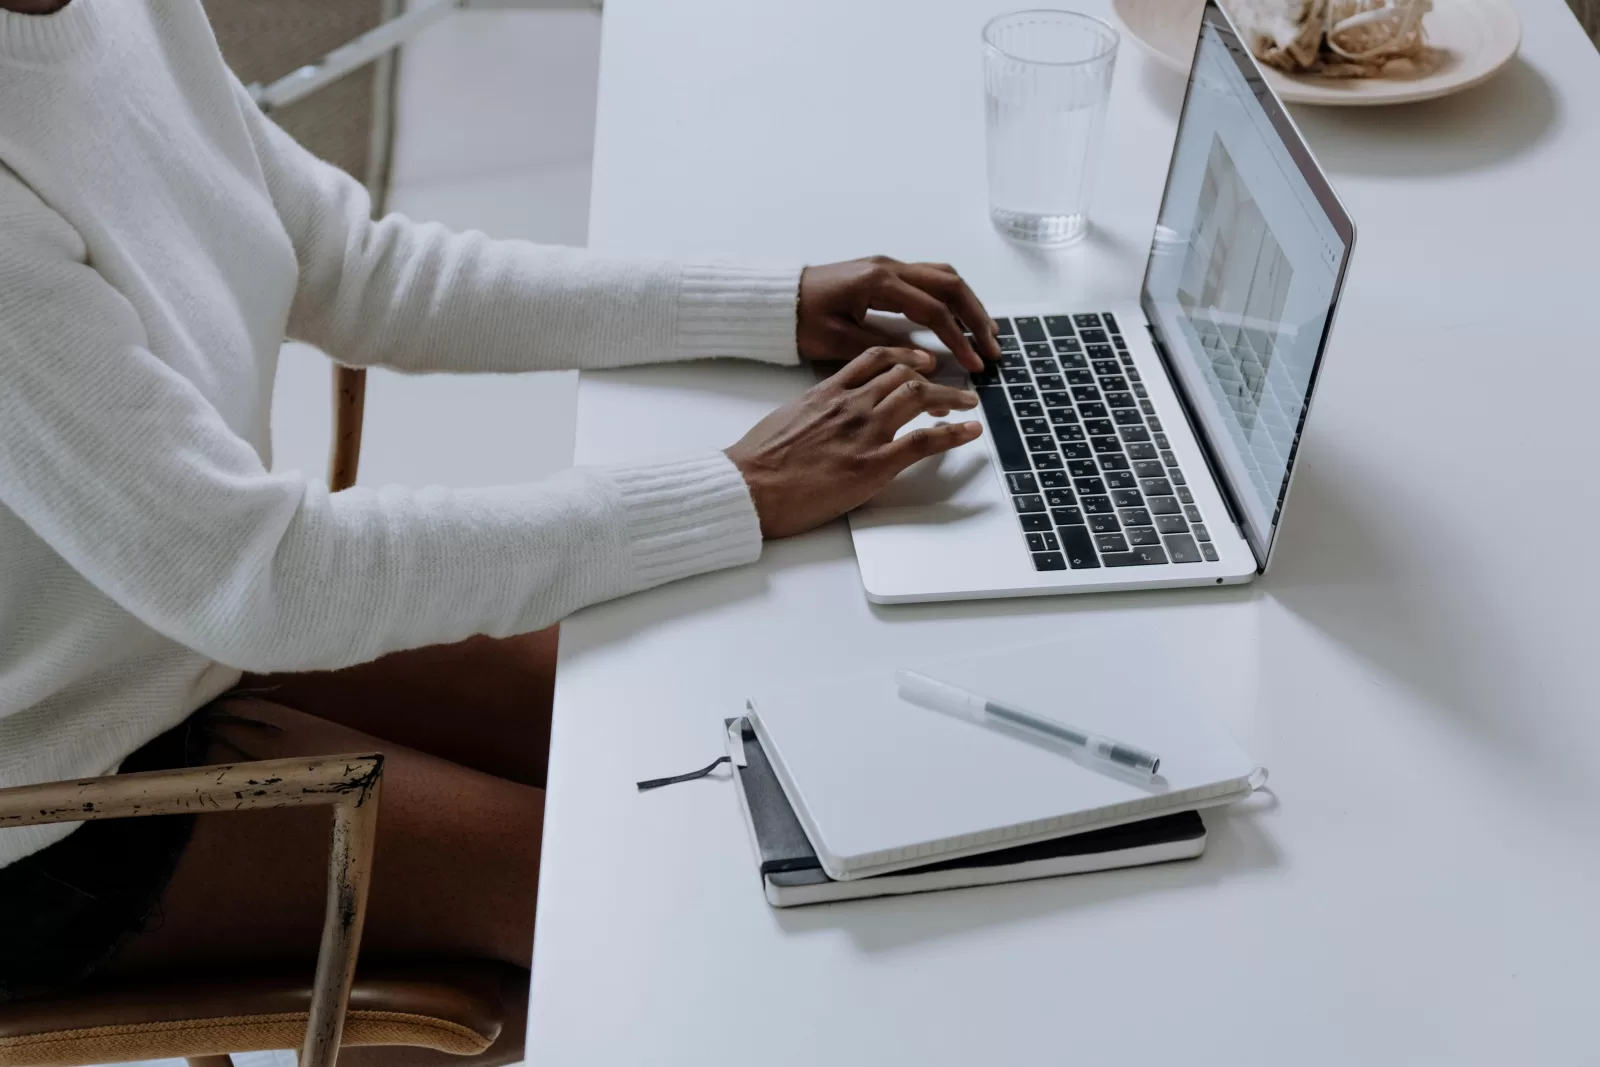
458, 1007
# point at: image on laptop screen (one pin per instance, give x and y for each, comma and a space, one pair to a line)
1249, 254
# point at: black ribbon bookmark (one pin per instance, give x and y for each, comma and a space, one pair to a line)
656, 783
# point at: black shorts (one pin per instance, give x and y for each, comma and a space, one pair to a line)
68, 908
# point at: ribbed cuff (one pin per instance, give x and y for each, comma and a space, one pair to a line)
747, 312
686, 517
37, 40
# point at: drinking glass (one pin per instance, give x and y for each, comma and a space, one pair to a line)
1046, 79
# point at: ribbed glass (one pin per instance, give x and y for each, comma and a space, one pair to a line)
1046, 80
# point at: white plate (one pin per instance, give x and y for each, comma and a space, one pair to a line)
1475, 38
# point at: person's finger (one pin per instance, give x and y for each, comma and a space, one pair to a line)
927, 441
944, 283
877, 359
925, 309
918, 395
875, 390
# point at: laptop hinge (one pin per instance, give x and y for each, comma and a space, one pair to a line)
1212, 462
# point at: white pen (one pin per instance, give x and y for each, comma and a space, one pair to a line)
944, 697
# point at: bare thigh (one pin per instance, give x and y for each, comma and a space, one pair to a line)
454, 873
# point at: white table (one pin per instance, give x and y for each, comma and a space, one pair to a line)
1418, 670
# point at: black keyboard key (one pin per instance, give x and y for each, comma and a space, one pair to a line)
1043, 542
1093, 337
1139, 557
1028, 502
1036, 521
1120, 480
1096, 505
1087, 320
1003, 430
1034, 426
1129, 498
1102, 352
1049, 561
1133, 375
1058, 325
1169, 458
1057, 400
1142, 451
1200, 531
1051, 382
1171, 524
1163, 505
1134, 517
1143, 535
1069, 432
1156, 487
1079, 377
1124, 400
1191, 513
1043, 366
1139, 390
1155, 423
1041, 444
1028, 409
1013, 359
1161, 441
1016, 376
1093, 409
1062, 416
1022, 483
1147, 407
1177, 477
1085, 392
1004, 327
1209, 551
1078, 546
1072, 516
1010, 344
1022, 392
1108, 523
1104, 367
1066, 345
1097, 427
1046, 461
1135, 433
1089, 485
1112, 461
1054, 480
1060, 498
1037, 351
1083, 468
1184, 495
1181, 548
1074, 361
1110, 320
989, 375
1078, 449
1106, 444
1149, 468
1111, 542
1127, 357
1030, 329
1114, 383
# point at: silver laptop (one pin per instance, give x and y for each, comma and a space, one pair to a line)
1151, 443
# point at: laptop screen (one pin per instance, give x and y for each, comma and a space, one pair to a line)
1247, 263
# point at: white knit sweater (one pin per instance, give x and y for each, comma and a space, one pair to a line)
158, 241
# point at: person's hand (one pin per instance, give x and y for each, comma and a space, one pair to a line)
832, 449
835, 299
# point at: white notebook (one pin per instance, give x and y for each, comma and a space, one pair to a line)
881, 785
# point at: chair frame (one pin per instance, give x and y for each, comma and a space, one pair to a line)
348, 784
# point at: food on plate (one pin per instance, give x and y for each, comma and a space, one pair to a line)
1338, 38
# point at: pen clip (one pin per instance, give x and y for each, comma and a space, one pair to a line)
733, 742
1257, 778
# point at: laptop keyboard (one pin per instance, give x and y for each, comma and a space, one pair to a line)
1086, 460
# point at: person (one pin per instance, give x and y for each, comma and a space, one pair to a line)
169, 599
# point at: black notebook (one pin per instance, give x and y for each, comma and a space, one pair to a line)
792, 875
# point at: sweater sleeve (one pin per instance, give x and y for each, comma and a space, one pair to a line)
417, 297
125, 469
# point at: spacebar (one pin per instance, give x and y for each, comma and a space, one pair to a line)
1003, 429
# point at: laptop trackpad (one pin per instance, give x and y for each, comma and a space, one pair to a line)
961, 480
